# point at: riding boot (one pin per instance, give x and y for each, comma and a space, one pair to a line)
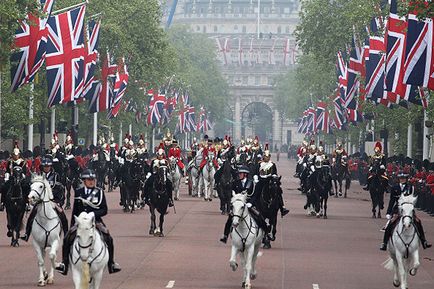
388, 233
421, 233
366, 188
257, 216
62, 268
29, 224
283, 211
113, 267
171, 199
63, 219
227, 230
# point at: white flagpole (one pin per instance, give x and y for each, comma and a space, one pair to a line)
30, 126
53, 121
95, 129
69, 8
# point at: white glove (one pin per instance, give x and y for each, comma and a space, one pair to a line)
388, 217
255, 179
249, 205
7, 176
382, 167
304, 165
148, 175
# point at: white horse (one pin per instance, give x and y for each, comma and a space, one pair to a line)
404, 244
206, 183
175, 176
246, 239
46, 227
193, 168
89, 254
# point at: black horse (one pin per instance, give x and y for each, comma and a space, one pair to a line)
377, 187
224, 188
268, 205
100, 168
159, 199
321, 188
113, 167
16, 191
340, 173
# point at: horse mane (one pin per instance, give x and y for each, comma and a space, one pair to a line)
407, 199
239, 197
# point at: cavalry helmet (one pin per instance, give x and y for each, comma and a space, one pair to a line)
88, 174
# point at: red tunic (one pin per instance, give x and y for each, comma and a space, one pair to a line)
430, 182
176, 153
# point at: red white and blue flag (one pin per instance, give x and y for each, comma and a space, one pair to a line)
120, 87
156, 108
65, 56
341, 71
91, 56
354, 70
419, 59
30, 42
322, 117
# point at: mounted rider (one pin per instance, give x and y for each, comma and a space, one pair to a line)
14, 161
377, 160
58, 190
141, 147
255, 149
167, 141
308, 165
208, 151
130, 153
69, 147
175, 152
268, 170
89, 199
121, 153
339, 151
223, 156
243, 184
405, 188
156, 163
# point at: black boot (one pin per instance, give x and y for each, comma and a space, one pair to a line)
227, 230
224, 239
388, 233
63, 220
421, 234
62, 268
29, 224
283, 211
366, 188
113, 267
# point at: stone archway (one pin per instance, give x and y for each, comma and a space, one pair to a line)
256, 121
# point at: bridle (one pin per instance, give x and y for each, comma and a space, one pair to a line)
89, 246
407, 245
249, 224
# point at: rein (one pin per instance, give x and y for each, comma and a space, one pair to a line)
407, 245
91, 245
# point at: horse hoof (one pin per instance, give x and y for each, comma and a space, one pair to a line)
243, 285
176, 199
161, 234
373, 216
305, 207
50, 281
223, 213
253, 276
41, 283
233, 265
9, 234
151, 232
247, 286
396, 283
325, 216
413, 272
273, 238
210, 200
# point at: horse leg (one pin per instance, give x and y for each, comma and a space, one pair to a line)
52, 255
243, 265
401, 271
335, 181
152, 211
96, 279
340, 186
233, 260
248, 265
161, 234
396, 281
253, 274
40, 254
415, 262
68, 197
325, 199
274, 230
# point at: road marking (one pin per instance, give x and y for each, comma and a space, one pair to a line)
260, 253
315, 286
171, 284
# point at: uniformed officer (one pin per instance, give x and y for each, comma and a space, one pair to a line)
89, 199
405, 188
58, 196
378, 159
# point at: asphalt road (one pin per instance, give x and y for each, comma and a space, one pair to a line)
309, 253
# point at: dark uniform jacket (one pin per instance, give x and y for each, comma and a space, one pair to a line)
57, 187
96, 197
395, 194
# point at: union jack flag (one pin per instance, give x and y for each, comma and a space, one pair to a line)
355, 115
419, 60
102, 92
341, 70
65, 56
339, 116
120, 88
182, 116
91, 55
322, 117
311, 120
30, 40
156, 107
169, 107
353, 71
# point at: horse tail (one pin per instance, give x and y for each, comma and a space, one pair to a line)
85, 275
388, 264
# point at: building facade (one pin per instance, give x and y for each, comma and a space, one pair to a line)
255, 43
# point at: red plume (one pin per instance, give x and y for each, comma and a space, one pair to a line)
378, 145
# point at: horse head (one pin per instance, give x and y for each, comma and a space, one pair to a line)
239, 206
40, 190
173, 164
161, 175
406, 209
85, 234
17, 175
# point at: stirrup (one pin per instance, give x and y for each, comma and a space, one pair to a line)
114, 268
